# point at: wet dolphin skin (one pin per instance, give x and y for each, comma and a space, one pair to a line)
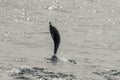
56, 38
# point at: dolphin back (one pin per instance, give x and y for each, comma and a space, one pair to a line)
55, 36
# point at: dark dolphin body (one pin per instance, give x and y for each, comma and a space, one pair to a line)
56, 38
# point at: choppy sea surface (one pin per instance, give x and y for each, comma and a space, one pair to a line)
90, 39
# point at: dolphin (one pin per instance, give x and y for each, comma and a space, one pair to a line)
56, 38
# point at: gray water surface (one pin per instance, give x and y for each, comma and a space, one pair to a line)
90, 35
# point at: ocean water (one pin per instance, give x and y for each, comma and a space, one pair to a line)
89, 30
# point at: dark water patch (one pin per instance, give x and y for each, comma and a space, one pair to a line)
40, 73
109, 74
72, 61
22, 78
